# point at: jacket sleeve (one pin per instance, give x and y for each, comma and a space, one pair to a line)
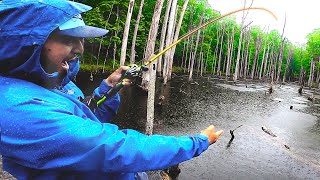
109, 108
45, 135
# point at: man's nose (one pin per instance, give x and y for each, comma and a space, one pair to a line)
78, 46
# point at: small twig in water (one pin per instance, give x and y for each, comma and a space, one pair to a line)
232, 136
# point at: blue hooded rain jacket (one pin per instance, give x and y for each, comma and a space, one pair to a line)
46, 132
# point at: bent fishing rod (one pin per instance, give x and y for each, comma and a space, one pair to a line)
134, 71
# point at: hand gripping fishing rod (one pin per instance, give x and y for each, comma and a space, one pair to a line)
135, 71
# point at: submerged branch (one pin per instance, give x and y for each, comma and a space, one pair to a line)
232, 136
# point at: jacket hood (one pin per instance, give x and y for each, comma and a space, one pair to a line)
24, 27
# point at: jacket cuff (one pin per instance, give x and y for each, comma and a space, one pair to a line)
113, 102
203, 143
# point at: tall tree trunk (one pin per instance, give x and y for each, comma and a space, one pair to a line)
301, 76
135, 33
115, 43
149, 78
201, 53
266, 63
230, 51
263, 60
242, 58
215, 56
183, 53
186, 56
273, 66
280, 59
163, 34
256, 56
311, 77
246, 55
197, 42
289, 57
169, 40
236, 71
281, 50
318, 73
107, 53
176, 36
171, 53
201, 63
101, 40
126, 33
220, 52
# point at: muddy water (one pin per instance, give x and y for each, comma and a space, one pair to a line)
253, 154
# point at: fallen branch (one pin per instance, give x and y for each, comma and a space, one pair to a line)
268, 131
232, 136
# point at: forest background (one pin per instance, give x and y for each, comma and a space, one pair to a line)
224, 48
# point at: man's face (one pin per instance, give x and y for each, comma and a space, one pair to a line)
58, 50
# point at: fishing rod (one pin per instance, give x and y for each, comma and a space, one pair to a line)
134, 71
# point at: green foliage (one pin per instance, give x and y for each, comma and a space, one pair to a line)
111, 14
313, 45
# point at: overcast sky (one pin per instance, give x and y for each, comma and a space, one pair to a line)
302, 16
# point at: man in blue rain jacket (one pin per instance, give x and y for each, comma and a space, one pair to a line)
46, 132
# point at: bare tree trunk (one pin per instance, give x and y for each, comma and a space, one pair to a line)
281, 50
207, 58
301, 76
246, 55
236, 71
201, 54
176, 36
163, 34
242, 57
101, 40
215, 56
256, 55
151, 95
289, 57
197, 42
273, 66
202, 68
266, 63
186, 56
126, 33
169, 40
183, 53
280, 59
318, 74
115, 44
220, 53
149, 79
135, 33
248, 64
107, 53
191, 54
263, 60
311, 77
229, 55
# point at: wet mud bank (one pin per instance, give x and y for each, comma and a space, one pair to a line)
188, 108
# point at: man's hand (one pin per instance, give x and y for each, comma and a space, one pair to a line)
212, 136
114, 78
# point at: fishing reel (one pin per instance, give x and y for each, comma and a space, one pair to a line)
133, 72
